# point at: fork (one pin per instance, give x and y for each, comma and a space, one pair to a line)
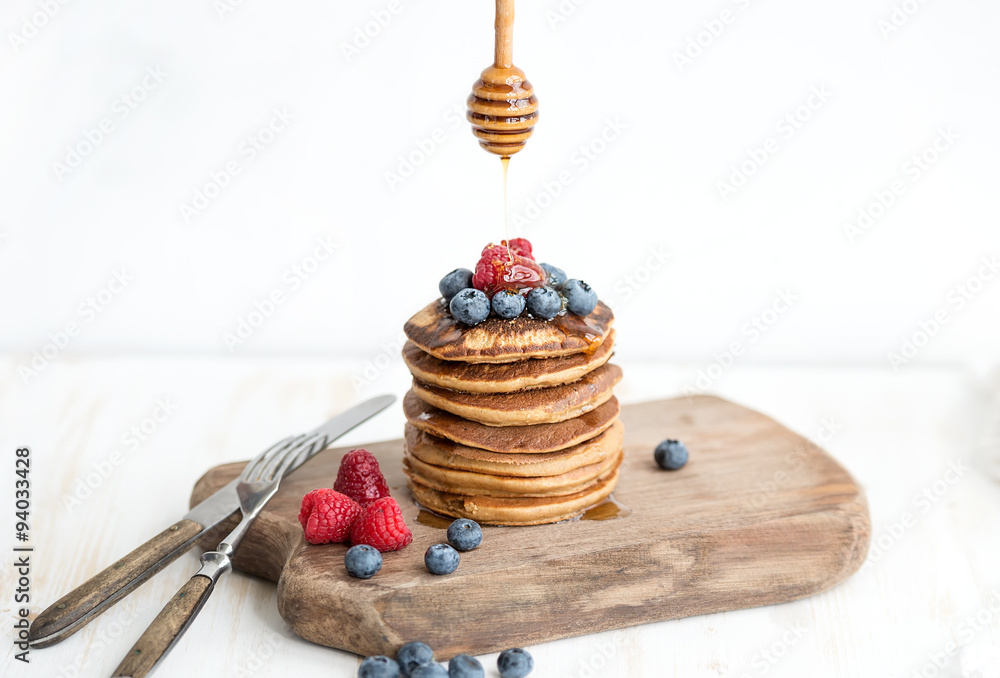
258, 483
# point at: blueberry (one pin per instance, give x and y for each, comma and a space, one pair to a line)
429, 671
516, 663
671, 454
508, 304
470, 306
378, 667
441, 559
464, 666
557, 276
455, 282
362, 561
465, 534
580, 297
413, 655
544, 302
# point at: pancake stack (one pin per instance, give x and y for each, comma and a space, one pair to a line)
511, 422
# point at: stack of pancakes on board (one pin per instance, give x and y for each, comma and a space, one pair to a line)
511, 422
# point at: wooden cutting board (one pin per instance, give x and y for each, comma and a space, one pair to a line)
758, 516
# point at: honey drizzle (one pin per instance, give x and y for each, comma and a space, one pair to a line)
505, 162
573, 325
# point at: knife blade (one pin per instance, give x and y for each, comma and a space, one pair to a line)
78, 607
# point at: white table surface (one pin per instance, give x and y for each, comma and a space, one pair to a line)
898, 435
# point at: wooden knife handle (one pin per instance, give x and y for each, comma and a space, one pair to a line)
167, 628
74, 610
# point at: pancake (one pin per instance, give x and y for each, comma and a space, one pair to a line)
483, 484
514, 510
441, 452
496, 340
536, 439
538, 406
504, 377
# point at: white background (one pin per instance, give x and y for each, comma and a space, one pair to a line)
653, 189
656, 185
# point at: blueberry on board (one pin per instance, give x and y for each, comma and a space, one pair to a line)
429, 671
557, 276
464, 666
465, 534
362, 561
441, 559
515, 663
671, 454
544, 302
455, 282
580, 297
413, 655
508, 304
379, 666
470, 306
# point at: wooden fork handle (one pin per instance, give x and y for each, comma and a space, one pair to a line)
78, 607
168, 627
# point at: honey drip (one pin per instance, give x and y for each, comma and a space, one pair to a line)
505, 162
573, 325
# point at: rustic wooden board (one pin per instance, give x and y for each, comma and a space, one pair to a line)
758, 516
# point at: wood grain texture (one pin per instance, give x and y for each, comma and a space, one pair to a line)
503, 52
168, 626
758, 516
78, 607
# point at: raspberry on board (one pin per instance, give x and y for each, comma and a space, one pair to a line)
327, 516
381, 525
360, 478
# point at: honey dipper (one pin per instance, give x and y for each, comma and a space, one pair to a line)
502, 107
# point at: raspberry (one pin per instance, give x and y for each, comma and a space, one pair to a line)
381, 525
520, 246
327, 516
360, 478
500, 268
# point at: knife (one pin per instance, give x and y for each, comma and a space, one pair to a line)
77, 608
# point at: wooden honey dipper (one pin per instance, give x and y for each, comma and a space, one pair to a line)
502, 107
